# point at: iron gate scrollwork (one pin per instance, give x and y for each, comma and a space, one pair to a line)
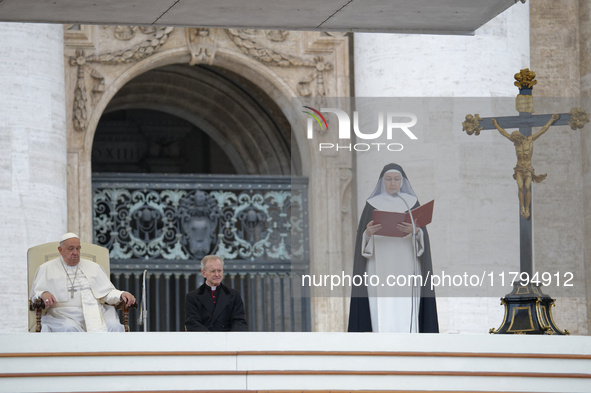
165, 224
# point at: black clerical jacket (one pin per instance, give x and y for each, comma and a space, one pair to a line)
227, 314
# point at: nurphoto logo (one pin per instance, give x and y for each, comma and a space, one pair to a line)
394, 123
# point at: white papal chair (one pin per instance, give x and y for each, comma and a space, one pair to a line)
44, 252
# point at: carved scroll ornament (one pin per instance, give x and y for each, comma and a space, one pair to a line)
155, 38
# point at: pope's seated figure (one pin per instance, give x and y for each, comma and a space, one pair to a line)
77, 293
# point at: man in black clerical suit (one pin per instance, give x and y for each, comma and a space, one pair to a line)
213, 306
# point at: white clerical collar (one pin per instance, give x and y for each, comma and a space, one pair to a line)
213, 288
65, 265
387, 202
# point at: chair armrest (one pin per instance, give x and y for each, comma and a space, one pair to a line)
121, 306
36, 305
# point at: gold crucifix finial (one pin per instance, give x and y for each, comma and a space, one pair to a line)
578, 118
525, 79
472, 124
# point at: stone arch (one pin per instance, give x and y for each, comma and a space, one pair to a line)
247, 70
276, 89
245, 124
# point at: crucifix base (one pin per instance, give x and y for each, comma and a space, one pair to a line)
528, 311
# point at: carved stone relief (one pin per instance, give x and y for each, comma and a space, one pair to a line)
202, 44
252, 43
307, 70
154, 38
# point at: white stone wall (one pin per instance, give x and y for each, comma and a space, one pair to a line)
476, 222
32, 155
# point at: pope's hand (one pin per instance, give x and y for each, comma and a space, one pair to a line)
48, 299
128, 298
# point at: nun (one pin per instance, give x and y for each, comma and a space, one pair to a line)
395, 295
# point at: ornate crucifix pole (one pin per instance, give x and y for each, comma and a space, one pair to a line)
526, 308
523, 140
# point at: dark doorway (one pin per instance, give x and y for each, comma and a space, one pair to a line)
149, 141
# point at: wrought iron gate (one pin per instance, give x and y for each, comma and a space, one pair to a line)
165, 224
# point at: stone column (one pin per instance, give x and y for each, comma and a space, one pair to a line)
32, 155
557, 56
585, 46
476, 217
585, 71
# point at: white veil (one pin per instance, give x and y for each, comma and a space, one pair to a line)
405, 188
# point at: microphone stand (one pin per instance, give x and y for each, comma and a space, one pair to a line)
143, 317
414, 252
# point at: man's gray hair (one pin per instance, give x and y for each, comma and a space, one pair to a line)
210, 258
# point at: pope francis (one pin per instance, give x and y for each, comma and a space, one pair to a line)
77, 293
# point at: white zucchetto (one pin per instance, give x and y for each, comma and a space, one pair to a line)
68, 235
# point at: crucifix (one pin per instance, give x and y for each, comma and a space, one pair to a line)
72, 290
523, 140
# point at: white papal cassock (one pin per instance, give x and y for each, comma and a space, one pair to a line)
84, 297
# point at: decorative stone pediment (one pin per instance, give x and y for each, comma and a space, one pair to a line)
98, 55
